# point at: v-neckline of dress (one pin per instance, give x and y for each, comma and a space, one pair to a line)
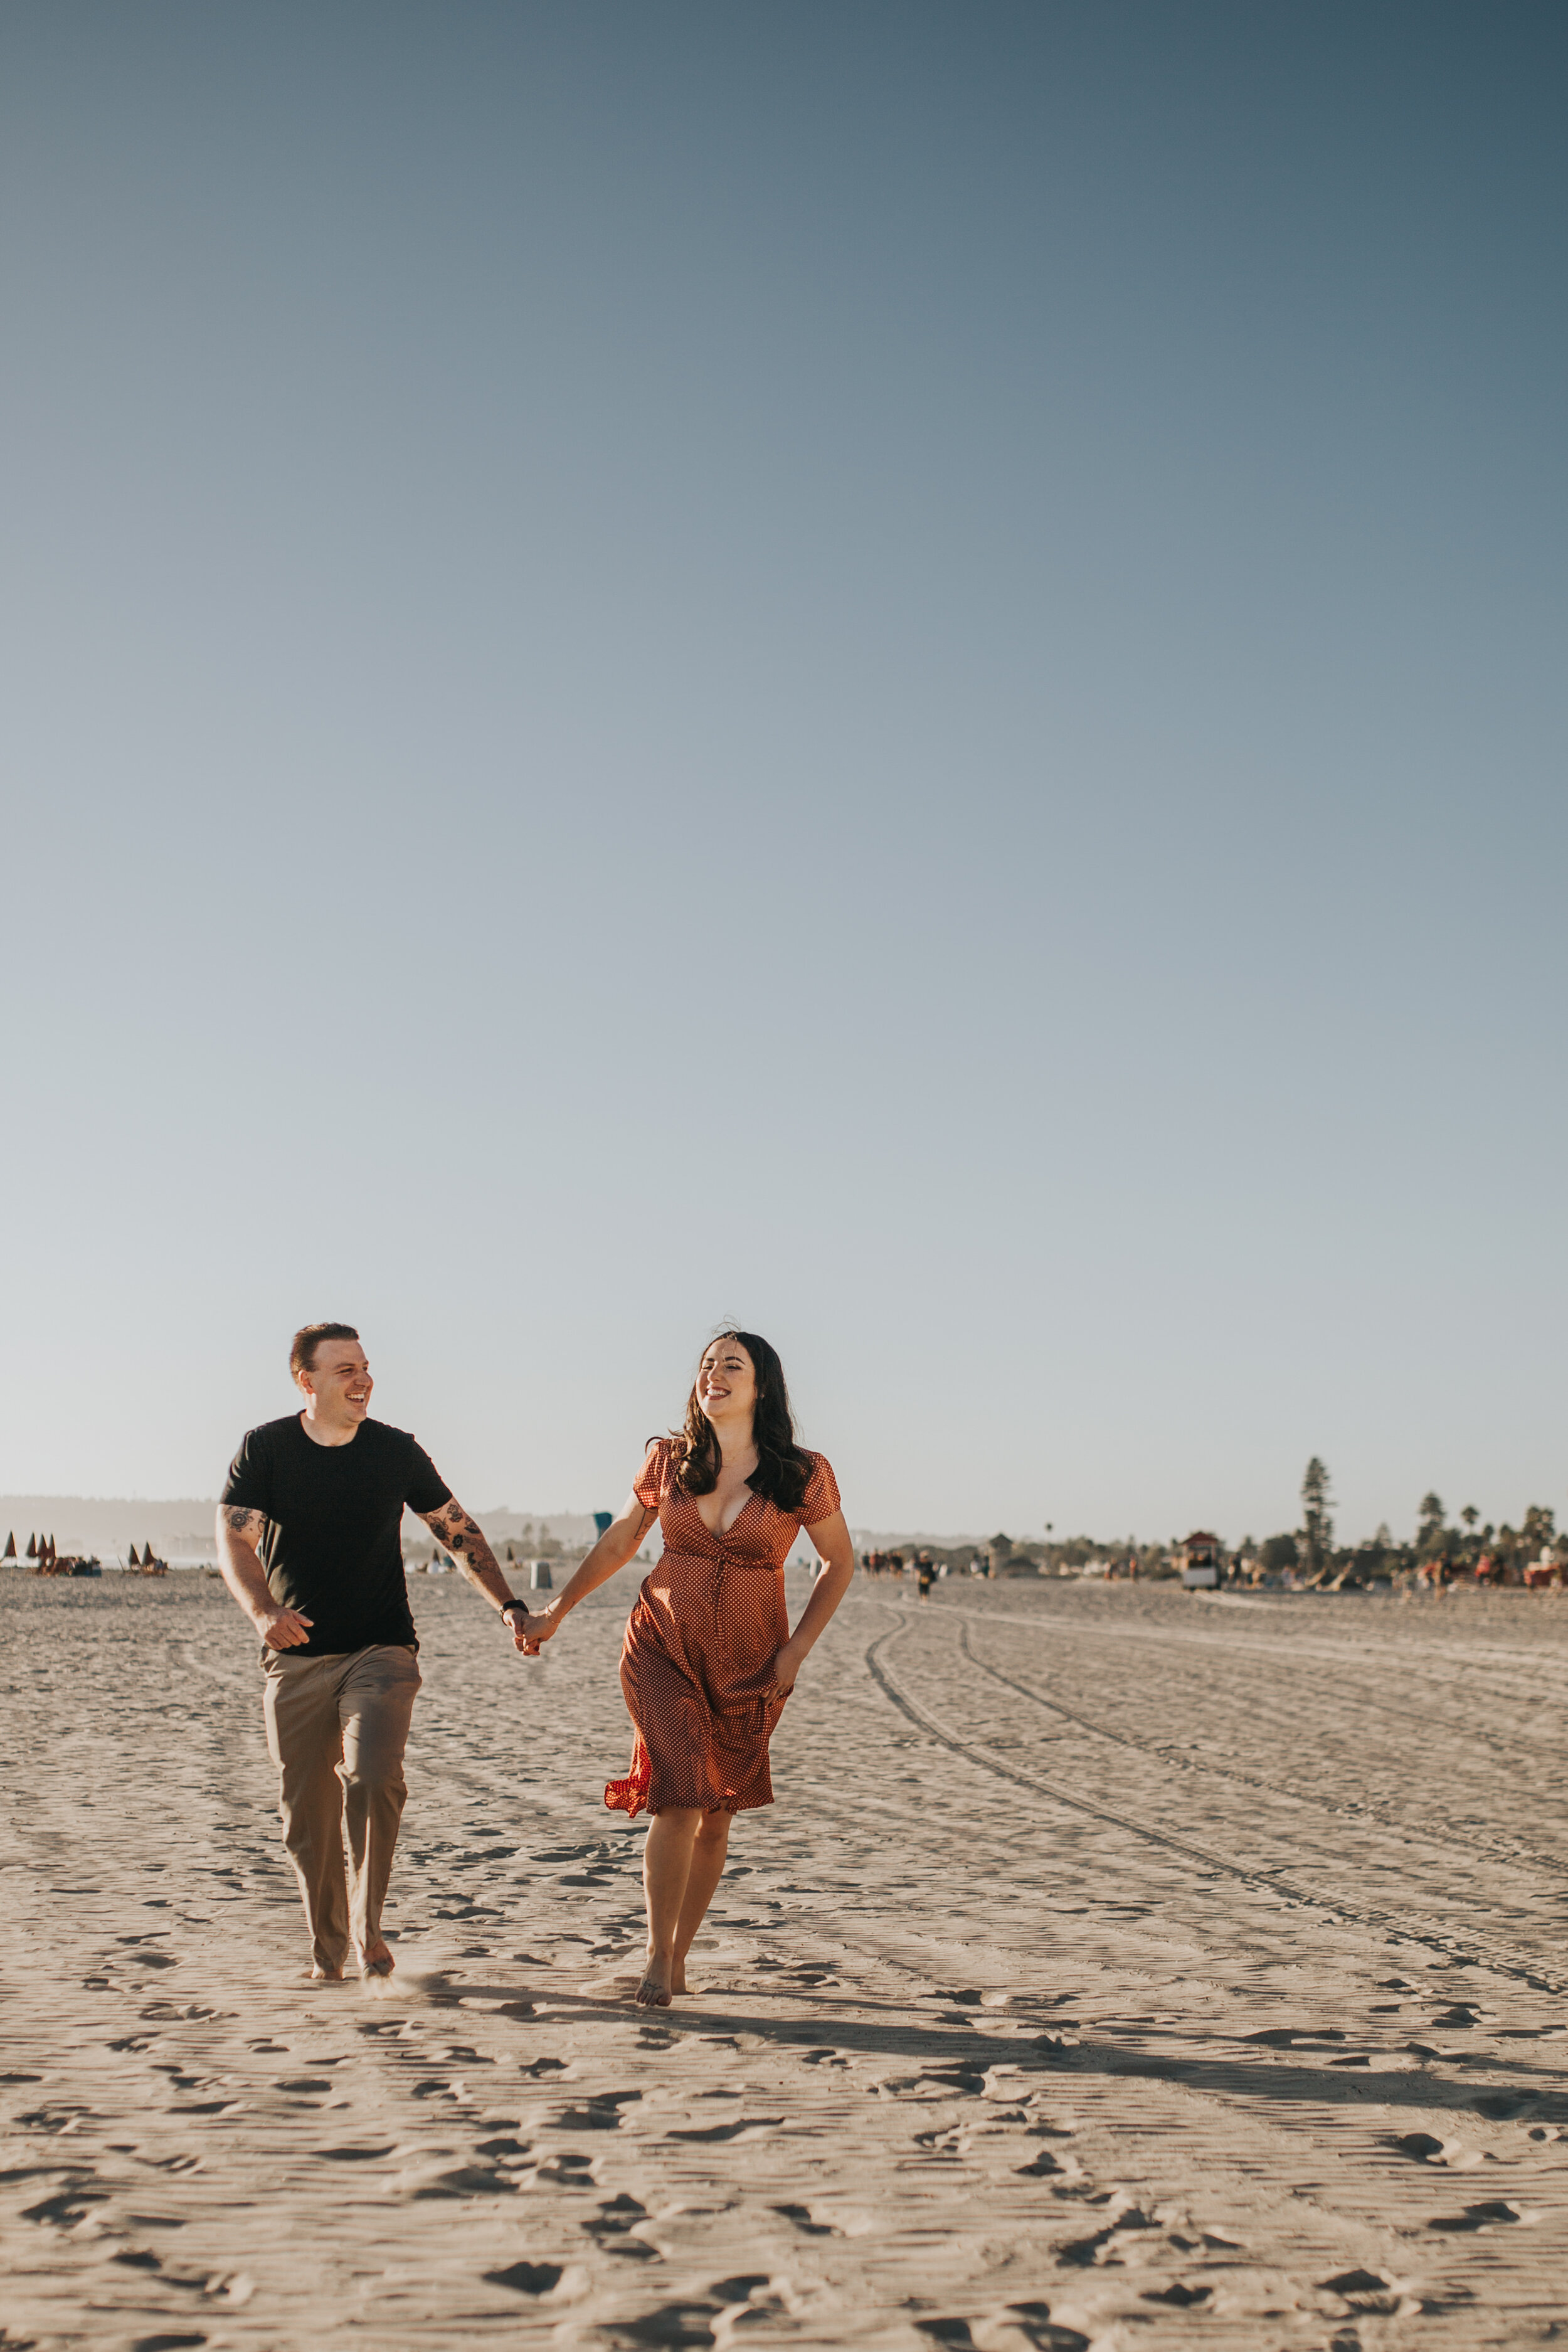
719, 1534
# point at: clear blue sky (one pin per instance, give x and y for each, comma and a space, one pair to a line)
896, 671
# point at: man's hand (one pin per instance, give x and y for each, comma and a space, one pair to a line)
281, 1629
239, 1531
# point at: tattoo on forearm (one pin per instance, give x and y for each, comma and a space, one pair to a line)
463, 1536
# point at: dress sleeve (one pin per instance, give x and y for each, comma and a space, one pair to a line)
821, 1498
653, 1479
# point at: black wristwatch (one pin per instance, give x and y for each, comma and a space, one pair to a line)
508, 1606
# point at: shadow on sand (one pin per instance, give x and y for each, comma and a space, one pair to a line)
1539, 2094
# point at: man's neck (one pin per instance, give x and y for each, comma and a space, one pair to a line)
327, 1433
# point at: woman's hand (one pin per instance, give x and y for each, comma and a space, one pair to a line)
536, 1630
786, 1666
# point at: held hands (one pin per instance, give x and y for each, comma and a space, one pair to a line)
282, 1629
535, 1629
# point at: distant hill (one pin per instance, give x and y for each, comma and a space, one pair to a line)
181, 1528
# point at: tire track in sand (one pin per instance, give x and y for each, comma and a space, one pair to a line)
1262, 1881
1178, 1760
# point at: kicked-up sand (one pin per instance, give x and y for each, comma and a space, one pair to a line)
1118, 1968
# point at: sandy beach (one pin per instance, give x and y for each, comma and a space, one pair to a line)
1118, 1967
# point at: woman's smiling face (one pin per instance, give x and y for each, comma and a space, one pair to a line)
727, 1381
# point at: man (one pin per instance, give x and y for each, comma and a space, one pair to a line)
309, 1542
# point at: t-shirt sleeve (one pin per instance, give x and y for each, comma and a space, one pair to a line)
821, 1498
425, 1489
249, 1487
653, 1479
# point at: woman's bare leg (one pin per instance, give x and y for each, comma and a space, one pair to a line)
708, 1853
666, 1869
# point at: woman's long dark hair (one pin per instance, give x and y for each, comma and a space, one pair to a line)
782, 1471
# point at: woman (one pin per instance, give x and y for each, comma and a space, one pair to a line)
709, 1659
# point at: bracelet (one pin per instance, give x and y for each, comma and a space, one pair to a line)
507, 1608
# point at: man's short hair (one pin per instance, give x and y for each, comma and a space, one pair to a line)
302, 1354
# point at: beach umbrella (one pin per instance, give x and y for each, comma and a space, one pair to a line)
10, 1550
32, 1547
133, 1561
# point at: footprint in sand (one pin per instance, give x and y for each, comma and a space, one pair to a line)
1363, 2289
1419, 2146
800, 2216
613, 2224
602, 2112
1476, 2217
1034, 2320
713, 2133
669, 2324
1502, 2107
526, 2278
1079, 2253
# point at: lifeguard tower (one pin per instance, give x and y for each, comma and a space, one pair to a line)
1201, 1562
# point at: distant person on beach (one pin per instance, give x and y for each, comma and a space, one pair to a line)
709, 1658
309, 1543
926, 1569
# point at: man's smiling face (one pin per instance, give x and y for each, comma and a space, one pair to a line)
340, 1382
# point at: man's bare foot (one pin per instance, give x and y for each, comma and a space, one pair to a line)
656, 1988
376, 1960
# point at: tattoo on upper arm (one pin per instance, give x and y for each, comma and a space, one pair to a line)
241, 1522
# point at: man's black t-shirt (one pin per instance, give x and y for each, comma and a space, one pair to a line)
332, 1548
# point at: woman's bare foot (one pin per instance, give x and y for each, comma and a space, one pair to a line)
677, 1977
656, 1988
324, 1976
376, 1960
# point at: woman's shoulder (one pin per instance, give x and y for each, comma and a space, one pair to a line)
821, 1497
659, 1463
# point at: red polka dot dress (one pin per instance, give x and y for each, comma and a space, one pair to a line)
700, 1643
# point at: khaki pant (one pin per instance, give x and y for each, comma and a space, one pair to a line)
336, 1729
